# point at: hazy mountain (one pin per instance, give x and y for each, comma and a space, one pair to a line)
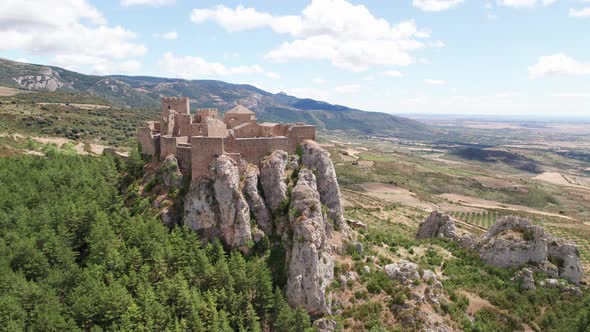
144, 92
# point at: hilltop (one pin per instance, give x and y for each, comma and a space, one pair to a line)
145, 92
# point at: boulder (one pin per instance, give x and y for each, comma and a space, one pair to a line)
272, 178
402, 271
526, 279
255, 201
325, 325
437, 224
317, 159
356, 224
468, 240
358, 247
514, 241
311, 268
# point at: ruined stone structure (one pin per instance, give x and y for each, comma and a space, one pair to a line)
195, 139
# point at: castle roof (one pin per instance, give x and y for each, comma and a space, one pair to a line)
239, 110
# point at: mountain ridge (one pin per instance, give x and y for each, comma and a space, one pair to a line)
145, 92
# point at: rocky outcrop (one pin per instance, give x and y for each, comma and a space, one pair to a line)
566, 255
220, 205
526, 279
437, 224
515, 241
216, 207
255, 201
272, 178
234, 213
318, 160
402, 271
200, 209
170, 173
311, 268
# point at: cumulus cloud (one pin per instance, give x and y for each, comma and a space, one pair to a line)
190, 67
436, 5
393, 73
327, 30
74, 31
273, 75
349, 88
584, 12
524, 3
172, 35
558, 65
431, 81
318, 80
153, 3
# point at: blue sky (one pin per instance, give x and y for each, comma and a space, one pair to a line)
506, 57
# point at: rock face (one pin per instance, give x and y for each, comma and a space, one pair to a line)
515, 241
234, 213
216, 207
437, 224
318, 160
170, 172
272, 178
221, 205
255, 201
567, 257
311, 269
200, 209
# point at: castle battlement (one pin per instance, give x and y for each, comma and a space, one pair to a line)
195, 139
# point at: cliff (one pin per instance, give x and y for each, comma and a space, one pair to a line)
291, 201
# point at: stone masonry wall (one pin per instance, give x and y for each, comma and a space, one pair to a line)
203, 150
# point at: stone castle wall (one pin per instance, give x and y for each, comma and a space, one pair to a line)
203, 150
197, 139
183, 155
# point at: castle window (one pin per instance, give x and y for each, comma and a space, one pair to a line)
168, 106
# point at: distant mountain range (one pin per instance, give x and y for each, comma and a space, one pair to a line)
145, 92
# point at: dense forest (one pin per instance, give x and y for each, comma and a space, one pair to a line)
75, 254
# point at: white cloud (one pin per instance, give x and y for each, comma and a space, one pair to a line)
191, 67
172, 35
393, 73
584, 12
318, 80
524, 3
66, 29
349, 88
273, 75
573, 95
153, 3
558, 65
434, 82
436, 5
24, 60
327, 30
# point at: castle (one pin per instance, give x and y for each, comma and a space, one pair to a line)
195, 139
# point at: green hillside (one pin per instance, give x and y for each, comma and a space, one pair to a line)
145, 92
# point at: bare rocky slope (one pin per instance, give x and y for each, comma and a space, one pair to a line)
145, 92
291, 200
